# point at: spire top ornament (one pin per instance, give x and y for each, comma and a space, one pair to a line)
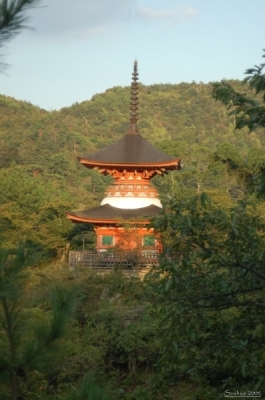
134, 100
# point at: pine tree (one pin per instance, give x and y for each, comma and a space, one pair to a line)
26, 346
13, 18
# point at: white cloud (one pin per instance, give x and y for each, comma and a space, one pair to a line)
174, 16
91, 17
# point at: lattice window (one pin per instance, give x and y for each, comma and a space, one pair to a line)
107, 240
148, 240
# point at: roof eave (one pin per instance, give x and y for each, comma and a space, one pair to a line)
76, 218
174, 164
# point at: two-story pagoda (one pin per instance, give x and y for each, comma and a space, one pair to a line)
132, 161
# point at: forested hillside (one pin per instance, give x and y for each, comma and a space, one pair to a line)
40, 176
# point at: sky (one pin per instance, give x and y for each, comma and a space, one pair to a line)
79, 48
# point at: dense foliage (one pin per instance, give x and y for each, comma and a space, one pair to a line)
211, 277
22, 353
211, 284
59, 328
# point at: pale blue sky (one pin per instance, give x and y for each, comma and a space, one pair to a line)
83, 47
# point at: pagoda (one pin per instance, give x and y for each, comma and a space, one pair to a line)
129, 203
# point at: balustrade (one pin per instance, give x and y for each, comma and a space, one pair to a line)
110, 260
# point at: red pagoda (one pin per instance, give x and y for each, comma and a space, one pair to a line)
132, 161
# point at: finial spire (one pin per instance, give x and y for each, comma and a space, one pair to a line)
134, 99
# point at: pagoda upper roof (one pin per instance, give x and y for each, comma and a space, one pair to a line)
107, 214
132, 149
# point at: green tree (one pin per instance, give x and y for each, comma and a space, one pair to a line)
34, 330
212, 293
26, 345
248, 108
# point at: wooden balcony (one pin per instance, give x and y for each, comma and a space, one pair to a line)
111, 260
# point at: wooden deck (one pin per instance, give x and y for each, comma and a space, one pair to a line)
109, 261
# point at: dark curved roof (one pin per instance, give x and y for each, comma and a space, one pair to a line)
130, 149
109, 213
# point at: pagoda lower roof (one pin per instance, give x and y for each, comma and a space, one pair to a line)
132, 150
107, 214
